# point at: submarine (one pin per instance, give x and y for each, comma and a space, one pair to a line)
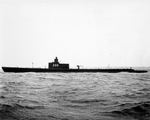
56, 66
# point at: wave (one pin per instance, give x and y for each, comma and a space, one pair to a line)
137, 110
6, 107
87, 101
12, 111
21, 112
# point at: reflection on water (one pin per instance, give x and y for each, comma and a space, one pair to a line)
74, 96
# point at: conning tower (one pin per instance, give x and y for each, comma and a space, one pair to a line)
57, 65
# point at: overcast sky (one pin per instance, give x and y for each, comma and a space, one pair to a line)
92, 33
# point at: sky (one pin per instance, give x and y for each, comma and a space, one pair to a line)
90, 33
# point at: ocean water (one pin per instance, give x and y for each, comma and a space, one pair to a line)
75, 96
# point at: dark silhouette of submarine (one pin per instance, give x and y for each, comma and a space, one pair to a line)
61, 67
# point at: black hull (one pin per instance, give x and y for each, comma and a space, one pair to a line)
44, 70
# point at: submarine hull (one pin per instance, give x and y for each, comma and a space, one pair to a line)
44, 70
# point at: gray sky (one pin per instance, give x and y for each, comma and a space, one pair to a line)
85, 32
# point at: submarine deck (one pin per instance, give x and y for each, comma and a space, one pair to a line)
111, 70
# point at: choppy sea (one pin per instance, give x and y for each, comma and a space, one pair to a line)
75, 96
